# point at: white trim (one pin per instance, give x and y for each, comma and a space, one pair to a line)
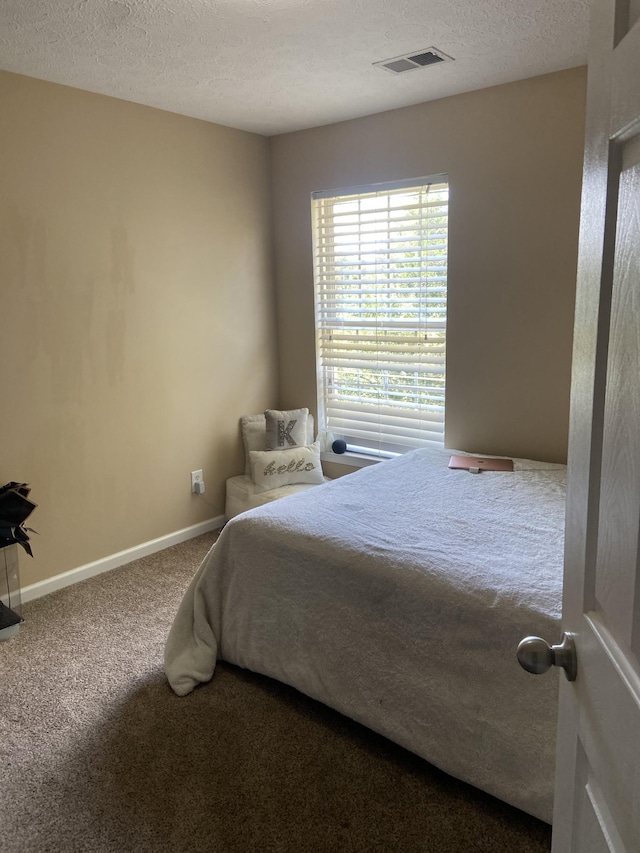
121, 558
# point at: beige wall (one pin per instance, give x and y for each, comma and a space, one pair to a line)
136, 315
513, 154
137, 304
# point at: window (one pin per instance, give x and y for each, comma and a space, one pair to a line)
380, 255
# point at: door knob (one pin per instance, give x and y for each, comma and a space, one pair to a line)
537, 656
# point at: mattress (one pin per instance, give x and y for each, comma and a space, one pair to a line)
397, 595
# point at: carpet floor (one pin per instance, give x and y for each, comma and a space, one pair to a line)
97, 754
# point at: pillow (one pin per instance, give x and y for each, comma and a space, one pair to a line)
286, 429
254, 435
274, 468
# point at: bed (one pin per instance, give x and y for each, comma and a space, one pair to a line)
397, 595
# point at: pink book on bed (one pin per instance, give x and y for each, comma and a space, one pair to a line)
481, 462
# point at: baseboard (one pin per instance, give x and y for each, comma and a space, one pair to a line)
37, 590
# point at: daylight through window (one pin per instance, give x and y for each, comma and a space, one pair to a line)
380, 256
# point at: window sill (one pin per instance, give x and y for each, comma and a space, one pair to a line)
351, 458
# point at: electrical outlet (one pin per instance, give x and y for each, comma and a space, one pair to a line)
196, 477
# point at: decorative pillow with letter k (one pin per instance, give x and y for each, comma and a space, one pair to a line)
286, 429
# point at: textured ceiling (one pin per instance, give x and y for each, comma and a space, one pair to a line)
272, 66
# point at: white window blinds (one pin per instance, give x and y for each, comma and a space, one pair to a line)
380, 294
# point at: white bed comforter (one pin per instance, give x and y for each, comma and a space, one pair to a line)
398, 595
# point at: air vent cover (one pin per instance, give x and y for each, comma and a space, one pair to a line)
416, 59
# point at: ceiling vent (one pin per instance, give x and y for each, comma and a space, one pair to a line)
417, 59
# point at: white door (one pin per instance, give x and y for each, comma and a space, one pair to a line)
597, 806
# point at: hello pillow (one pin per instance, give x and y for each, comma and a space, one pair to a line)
273, 468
